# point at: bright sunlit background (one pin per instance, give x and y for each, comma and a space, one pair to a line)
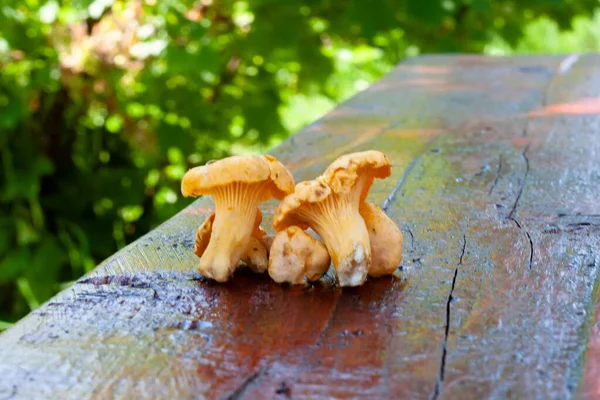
104, 104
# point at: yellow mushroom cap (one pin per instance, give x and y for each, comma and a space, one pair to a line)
343, 174
243, 169
306, 192
281, 177
340, 177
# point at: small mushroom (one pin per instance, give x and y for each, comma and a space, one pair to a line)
255, 257
385, 238
260, 234
329, 205
203, 235
267, 241
237, 184
295, 254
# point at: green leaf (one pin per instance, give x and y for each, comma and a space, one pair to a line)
43, 166
114, 123
14, 264
135, 110
25, 289
7, 235
26, 233
173, 136
43, 272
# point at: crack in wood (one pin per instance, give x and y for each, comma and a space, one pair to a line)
12, 394
577, 215
386, 203
121, 280
284, 390
573, 228
131, 281
525, 129
528, 238
329, 318
497, 175
530, 249
238, 393
515, 206
440, 381
15, 389
401, 181
514, 209
569, 223
412, 238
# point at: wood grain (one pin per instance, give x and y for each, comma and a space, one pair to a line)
495, 185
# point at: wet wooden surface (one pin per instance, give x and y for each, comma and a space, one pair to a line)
496, 187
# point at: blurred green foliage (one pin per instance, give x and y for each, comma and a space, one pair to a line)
104, 104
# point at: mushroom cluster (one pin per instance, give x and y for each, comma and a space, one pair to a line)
237, 184
356, 236
334, 206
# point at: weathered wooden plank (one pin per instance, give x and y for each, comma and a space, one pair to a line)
494, 191
518, 325
590, 384
521, 331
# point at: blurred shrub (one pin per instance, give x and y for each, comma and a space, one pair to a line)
104, 104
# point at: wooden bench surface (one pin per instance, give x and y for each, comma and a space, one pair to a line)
496, 187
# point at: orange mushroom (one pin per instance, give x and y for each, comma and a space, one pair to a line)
329, 205
237, 184
260, 234
203, 235
295, 254
385, 239
255, 256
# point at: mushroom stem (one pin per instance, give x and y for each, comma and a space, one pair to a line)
347, 241
235, 213
296, 254
339, 224
385, 238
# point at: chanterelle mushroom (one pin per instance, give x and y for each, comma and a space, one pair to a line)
237, 184
255, 255
385, 238
260, 234
294, 254
329, 205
